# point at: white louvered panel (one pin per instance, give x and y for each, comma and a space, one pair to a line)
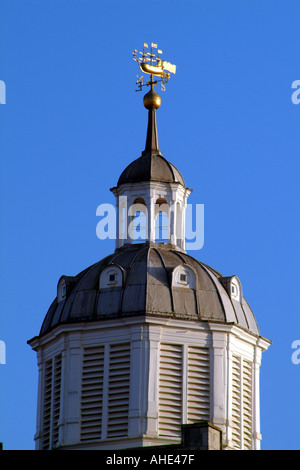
198, 392
56, 399
118, 390
170, 390
247, 405
47, 405
92, 393
236, 401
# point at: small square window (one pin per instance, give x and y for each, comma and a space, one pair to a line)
110, 278
183, 277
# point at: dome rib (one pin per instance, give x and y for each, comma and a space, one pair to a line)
167, 276
137, 254
179, 256
214, 284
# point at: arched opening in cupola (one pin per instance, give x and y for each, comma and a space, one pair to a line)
162, 221
138, 221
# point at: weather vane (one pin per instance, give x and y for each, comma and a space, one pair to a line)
152, 64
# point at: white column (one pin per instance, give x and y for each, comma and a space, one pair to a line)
72, 389
39, 418
138, 390
150, 204
121, 219
173, 223
118, 223
182, 229
61, 421
129, 218
219, 380
256, 399
153, 381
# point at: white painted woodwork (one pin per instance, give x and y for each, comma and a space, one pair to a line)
134, 381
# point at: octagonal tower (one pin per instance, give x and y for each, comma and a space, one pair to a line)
149, 338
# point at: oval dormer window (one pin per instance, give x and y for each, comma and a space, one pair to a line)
111, 276
233, 287
235, 290
61, 290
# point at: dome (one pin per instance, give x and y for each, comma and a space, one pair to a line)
152, 280
151, 168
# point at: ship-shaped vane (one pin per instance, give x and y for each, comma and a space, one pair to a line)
152, 64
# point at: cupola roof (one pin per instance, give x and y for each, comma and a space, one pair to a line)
151, 167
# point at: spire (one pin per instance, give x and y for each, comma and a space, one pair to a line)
159, 71
152, 102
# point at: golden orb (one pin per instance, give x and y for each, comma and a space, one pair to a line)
152, 100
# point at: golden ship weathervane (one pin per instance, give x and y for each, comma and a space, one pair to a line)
152, 64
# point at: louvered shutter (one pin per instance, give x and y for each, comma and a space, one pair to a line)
118, 390
47, 405
170, 390
56, 399
198, 391
236, 401
247, 404
242, 403
92, 393
51, 406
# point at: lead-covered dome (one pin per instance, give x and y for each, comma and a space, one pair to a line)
155, 280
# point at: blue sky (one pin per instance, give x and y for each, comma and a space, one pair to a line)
73, 121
